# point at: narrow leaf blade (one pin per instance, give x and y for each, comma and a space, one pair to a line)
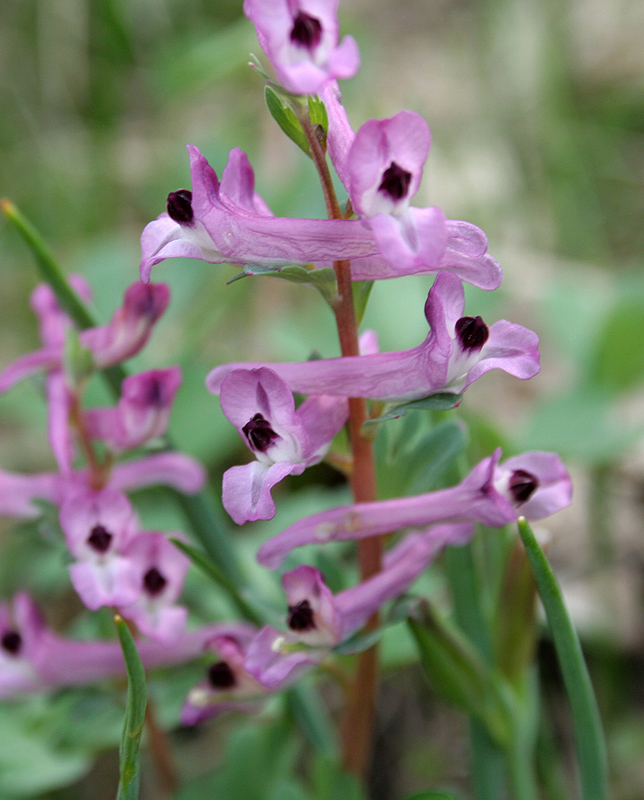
286, 119
591, 747
134, 714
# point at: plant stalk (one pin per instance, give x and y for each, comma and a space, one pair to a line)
357, 728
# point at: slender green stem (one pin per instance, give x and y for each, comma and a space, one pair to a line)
591, 747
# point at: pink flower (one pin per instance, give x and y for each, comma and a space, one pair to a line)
228, 222
125, 335
142, 413
283, 440
457, 351
534, 485
317, 620
300, 38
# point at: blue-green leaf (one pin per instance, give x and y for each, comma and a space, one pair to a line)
322, 279
442, 401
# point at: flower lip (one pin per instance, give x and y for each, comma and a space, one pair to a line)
259, 433
306, 31
11, 642
179, 206
395, 181
472, 332
300, 617
154, 582
221, 676
522, 485
99, 539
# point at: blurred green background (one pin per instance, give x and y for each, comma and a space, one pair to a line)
537, 117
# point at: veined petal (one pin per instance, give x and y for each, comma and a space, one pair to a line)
18, 492
169, 469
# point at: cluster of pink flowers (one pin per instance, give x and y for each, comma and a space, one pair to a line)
141, 573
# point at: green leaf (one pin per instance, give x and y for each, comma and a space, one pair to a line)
618, 361
286, 119
209, 568
459, 674
317, 112
442, 401
591, 747
361, 292
322, 279
331, 782
134, 714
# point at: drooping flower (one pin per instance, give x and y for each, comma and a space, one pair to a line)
300, 38
228, 222
320, 620
124, 336
283, 440
534, 485
457, 351
142, 412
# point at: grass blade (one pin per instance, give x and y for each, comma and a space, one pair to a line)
134, 714
591, 748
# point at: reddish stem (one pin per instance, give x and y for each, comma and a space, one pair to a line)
357, 727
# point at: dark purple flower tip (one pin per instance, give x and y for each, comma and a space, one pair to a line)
99, 539
179, 206
522, 485
154, 582
259, 433
395, 181
300, 617
472, 332
221, 676
11, 642
146, 300
306, 31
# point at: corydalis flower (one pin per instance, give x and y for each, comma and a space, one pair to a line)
300, 37
142, 412
19, 493
228, 222
457, 351
320, 620
381, 167
228, 685
534, 485
34, 658
160, 569
125, 335
284, 441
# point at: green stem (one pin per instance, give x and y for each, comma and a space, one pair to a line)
591, 748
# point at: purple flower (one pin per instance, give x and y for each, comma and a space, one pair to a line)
34, 658
284, 441
533, 485
457, 351
318, 620
125, 335
300, 37
19, 493
99, 528
228, 686
160, 569
229, 223
381, 167
142, 413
